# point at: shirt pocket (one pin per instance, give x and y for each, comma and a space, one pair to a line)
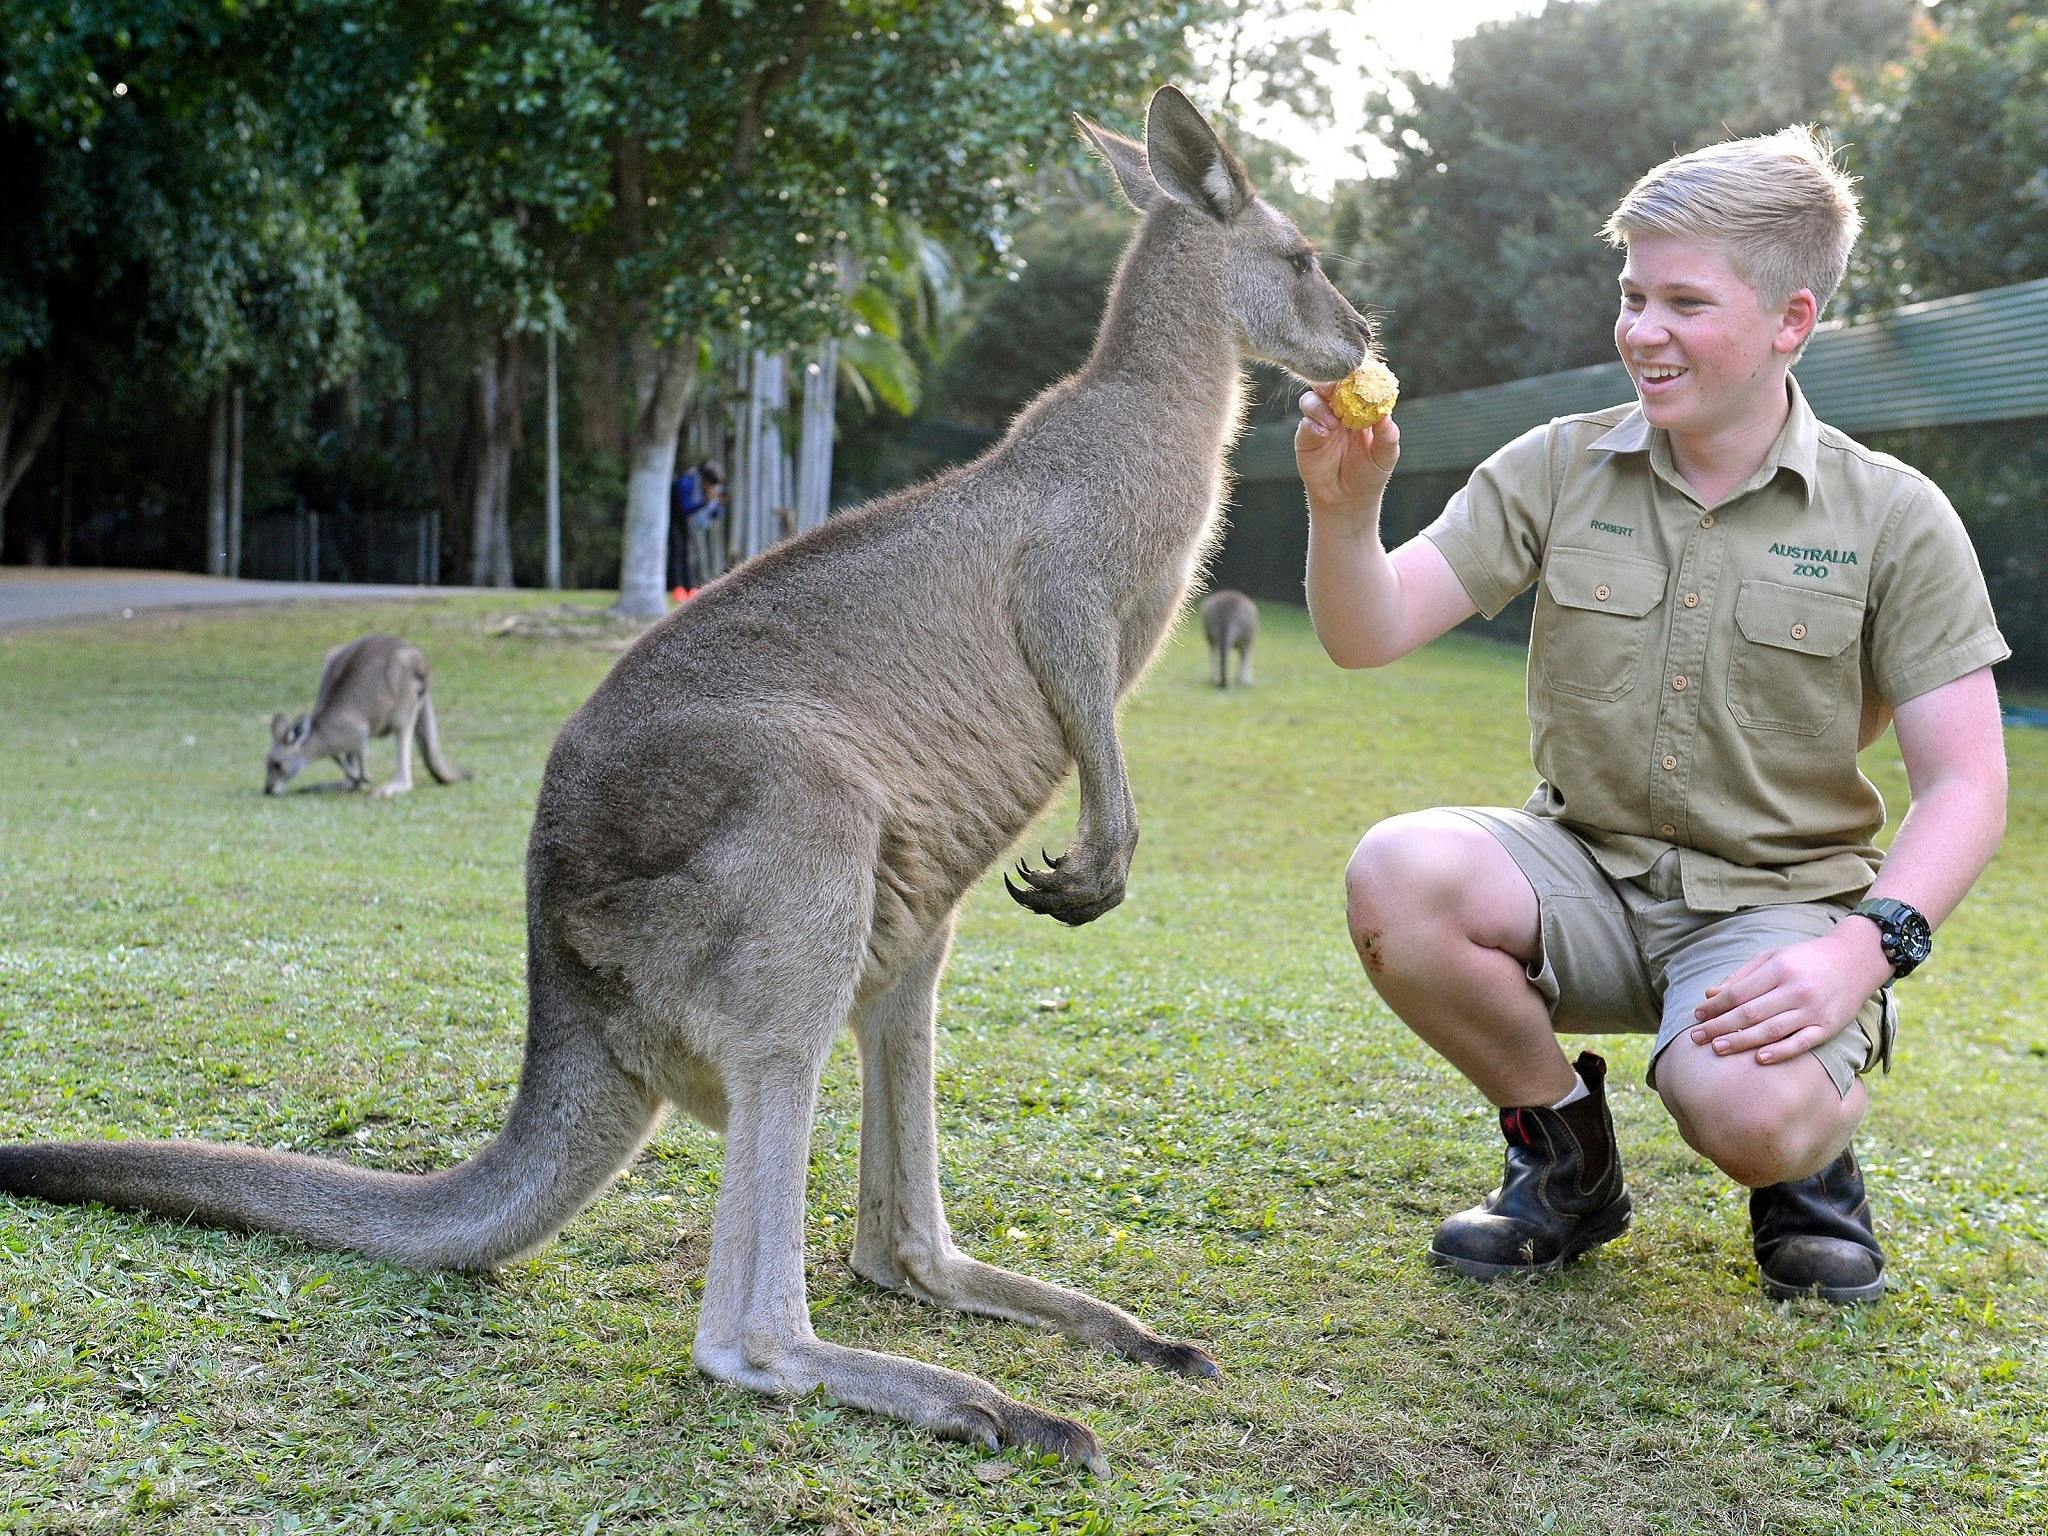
1599, 620
1794, 651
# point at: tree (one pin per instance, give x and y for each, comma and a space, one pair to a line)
1482, 245
758, 141
493, 171
1952, 148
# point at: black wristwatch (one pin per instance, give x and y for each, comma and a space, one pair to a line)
1905, 934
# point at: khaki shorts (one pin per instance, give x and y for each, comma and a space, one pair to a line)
1630, 955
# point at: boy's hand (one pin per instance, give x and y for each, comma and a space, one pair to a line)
1344, 471
1787, 1001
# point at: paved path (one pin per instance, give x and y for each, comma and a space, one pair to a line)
30, 596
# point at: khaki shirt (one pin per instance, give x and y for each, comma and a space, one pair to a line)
1702, 678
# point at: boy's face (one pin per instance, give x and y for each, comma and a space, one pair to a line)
1706, 357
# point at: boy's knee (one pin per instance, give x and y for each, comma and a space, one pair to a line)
1761, 1129
1401, 868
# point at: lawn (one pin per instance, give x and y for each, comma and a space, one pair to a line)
1194, 1107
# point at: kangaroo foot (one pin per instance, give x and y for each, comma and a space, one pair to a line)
389, 788
1072, 889
946, 1403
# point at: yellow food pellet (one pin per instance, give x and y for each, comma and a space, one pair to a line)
1367, 394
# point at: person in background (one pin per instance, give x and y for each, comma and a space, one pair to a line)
690, 494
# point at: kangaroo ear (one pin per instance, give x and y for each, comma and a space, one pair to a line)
1126, 161
1187, 160
279, 727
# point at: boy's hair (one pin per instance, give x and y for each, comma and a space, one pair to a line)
1778, 206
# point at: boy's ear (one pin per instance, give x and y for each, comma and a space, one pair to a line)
1796, 321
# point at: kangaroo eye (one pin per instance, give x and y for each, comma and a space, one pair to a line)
1303, 263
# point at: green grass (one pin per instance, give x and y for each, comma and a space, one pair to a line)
1194, 1107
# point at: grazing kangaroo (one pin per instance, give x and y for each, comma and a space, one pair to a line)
368, 687
756, 830
1230, 622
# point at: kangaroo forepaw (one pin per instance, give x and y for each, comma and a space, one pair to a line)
1067, 891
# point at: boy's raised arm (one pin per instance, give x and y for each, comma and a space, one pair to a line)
1368, 607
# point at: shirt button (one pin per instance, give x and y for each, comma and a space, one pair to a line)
1667, 830
1798, 631
1602, 593
1678, 684
1692, 599
1670, 763
1707, 521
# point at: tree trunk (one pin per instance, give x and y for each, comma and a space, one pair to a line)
663, 379
553, 562
217, 487
814, 449
760, 486
497, 414
235, 482
17, 454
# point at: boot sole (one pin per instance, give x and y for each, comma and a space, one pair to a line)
1835, 1295
1611, 1227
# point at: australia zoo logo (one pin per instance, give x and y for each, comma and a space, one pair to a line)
1814, 562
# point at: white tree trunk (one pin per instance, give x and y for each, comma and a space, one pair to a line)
758, 485
217, 487
814, 452
662, 381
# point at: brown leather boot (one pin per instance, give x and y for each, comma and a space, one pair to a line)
1813, 1236
1560, 1194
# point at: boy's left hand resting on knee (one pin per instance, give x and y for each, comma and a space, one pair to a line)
1785, 1002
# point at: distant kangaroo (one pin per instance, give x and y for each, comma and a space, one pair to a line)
756, 832
1230, 622
368, 687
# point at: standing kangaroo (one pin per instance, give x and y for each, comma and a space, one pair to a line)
1230, 622
368, 687
757, 830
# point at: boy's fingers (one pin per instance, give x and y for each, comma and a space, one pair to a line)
1316, 409
1797, 1043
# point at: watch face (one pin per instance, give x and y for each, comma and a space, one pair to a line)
1916, 940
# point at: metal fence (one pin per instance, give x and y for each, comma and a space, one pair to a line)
349, 544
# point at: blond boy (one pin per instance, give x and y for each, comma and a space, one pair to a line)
1733, 598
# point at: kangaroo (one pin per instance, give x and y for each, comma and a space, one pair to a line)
368, 687
1230, 622
757, 829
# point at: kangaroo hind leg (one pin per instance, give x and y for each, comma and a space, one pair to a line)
401, 782
903, 1241
784, 999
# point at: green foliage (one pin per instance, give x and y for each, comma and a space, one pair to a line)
776, 136
1952, 149
1483, 244
1037, 322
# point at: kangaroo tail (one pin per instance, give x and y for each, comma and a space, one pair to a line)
430, 745
577, 1119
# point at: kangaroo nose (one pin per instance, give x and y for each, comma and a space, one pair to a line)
1362, 327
